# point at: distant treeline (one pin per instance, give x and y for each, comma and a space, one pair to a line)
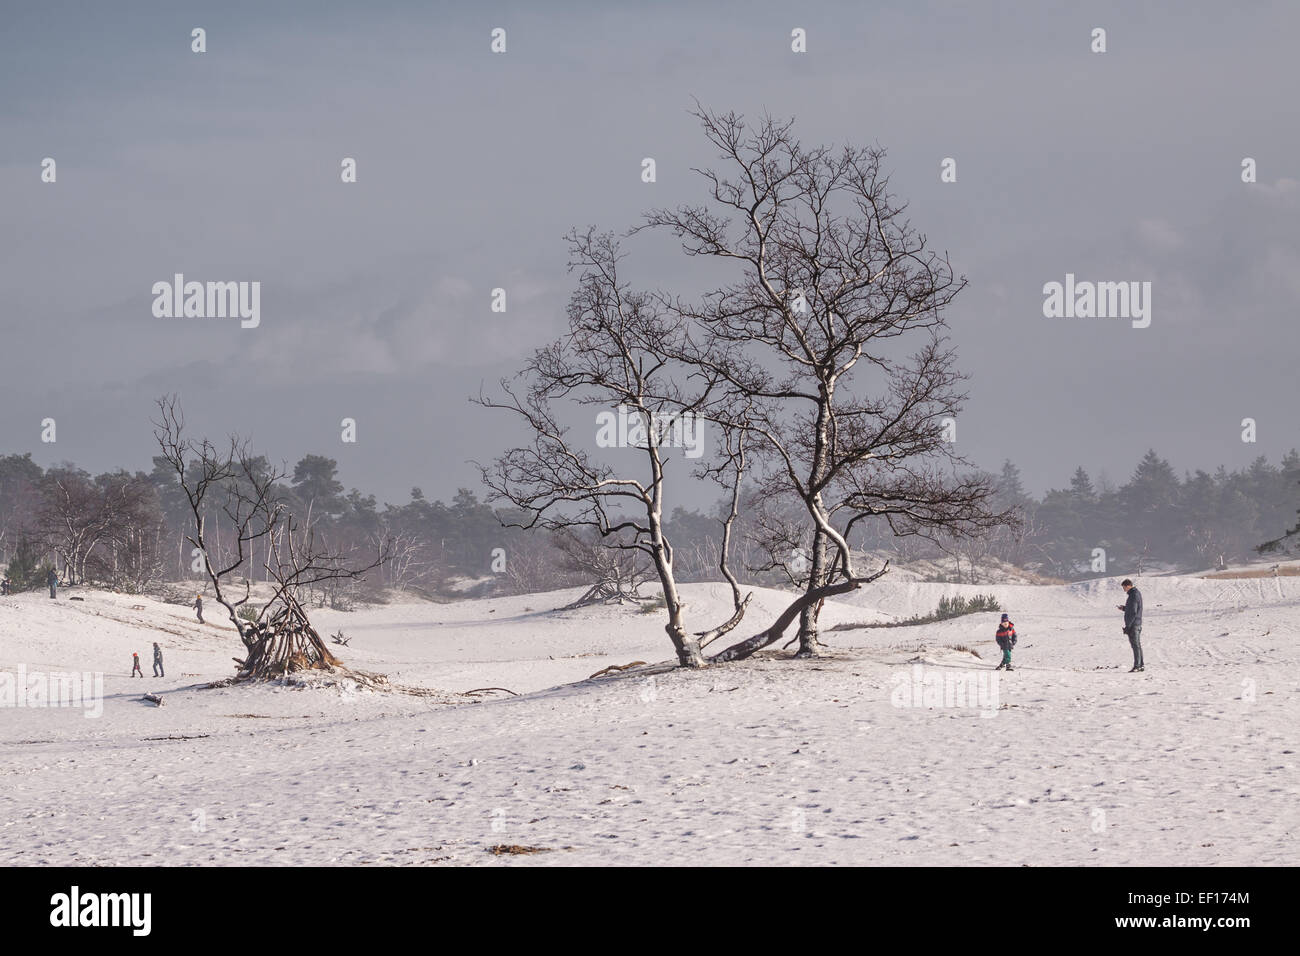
128, 530
1155, 519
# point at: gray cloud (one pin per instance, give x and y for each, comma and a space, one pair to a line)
472, 166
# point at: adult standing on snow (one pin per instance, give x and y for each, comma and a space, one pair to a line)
157, 662
1132, 609
52, 579
198, 606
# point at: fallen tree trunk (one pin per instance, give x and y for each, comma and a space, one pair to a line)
604, 593
771, 635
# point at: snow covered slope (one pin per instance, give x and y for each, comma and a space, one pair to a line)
1068, 760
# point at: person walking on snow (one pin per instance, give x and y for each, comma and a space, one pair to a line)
52, 579
157, 662
1006, 639
135, 665
198, 606
1132, 609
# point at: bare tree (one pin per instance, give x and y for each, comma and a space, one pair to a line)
533, 566
128, 553
70, 518
729, 472
408, 559
828, 278
105, 529
278, 638
617, 570
618, 356
1141, 557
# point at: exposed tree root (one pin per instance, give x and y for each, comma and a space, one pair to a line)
616, 668
636, 669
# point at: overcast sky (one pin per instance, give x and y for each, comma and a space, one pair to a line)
225, 165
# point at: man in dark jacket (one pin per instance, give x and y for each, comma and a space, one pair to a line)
1132, 609
157, 662
52, 579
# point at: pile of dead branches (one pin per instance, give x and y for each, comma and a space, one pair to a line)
606, 592
283, 644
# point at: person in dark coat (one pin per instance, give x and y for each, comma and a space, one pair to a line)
135, 665
198, 606
157, 662
1132, 609
52, 579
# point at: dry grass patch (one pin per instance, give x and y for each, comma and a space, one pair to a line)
1290, 571
514, 849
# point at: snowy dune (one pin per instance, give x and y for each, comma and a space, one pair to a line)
1075, 761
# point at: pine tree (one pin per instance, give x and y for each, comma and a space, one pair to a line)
26, 570
316, 486
1081, 486
1151, 504
1010, 489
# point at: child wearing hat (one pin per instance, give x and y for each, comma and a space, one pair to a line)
1006, 639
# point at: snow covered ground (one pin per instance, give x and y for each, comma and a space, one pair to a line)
868, 756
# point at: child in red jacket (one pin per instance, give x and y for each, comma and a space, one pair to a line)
1006, 638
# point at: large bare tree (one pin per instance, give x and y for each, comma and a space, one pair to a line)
832, 326
618, 358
